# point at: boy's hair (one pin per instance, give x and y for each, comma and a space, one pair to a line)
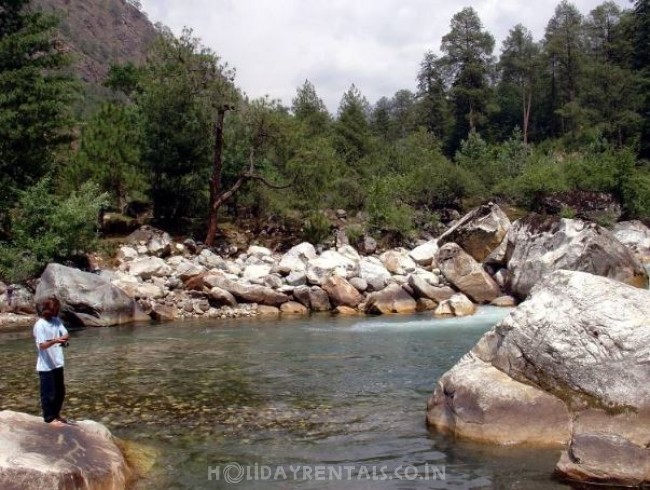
50, 304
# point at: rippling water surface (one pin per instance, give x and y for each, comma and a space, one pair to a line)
309, 391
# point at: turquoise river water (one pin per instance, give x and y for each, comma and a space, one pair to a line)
314, 402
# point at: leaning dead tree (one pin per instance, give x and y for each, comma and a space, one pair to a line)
218, 195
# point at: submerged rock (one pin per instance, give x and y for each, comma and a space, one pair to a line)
35, 455
600, 458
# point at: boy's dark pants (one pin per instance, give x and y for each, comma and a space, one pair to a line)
52, 393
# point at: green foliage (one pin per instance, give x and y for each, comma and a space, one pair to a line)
388, 211
468, 62
179, 92
47, 228
567, 212
316, 228
35, 98
353, 138
354, 233
109, 155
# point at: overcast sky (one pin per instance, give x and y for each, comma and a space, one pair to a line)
376, 44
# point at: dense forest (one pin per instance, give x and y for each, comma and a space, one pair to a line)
566, 114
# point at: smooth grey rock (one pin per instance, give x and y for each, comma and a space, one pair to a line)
368, 245
296, 279
246, 293
155, 242
328, 264
258, 252
359, 284
148, 267
374, 273
83, 292
210, 260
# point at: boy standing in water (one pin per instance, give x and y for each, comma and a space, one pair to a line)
51, 336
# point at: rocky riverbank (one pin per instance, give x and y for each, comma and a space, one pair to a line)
568, 367
482, 258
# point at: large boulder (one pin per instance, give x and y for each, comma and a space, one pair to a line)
574, 358
295, 260
398, 261
479, 232
314, 298
87, 298
328, 264
393, 299
636, 237
425, 253
34, 455
16, 299
148, 267
374, 273
466, 274
475, 400
341, 292
538, 246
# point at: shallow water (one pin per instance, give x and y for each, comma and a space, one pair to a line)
346, 392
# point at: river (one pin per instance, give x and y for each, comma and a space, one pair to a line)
310, 402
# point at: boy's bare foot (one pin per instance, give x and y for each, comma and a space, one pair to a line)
57, 423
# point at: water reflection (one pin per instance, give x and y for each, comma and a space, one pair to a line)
319, 390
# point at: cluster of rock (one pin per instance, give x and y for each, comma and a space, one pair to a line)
482, 259
569, 366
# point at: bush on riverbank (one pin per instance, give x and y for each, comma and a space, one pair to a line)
47, 228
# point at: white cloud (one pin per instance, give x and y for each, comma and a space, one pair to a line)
377, 44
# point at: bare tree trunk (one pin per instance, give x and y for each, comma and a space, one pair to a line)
215, 182
219, 196
527, 106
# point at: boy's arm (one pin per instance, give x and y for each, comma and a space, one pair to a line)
63, 333
42, 342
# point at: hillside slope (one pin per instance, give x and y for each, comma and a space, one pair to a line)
101, 32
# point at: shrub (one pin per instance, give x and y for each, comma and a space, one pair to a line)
317, 228
46, 228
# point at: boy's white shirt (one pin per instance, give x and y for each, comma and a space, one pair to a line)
51, 358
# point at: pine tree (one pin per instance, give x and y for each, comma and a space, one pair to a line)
468, 59
109, 154
35, 98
